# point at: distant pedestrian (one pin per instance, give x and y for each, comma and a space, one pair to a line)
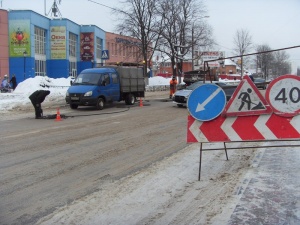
173, 85
4, 83
251, 77
13, 81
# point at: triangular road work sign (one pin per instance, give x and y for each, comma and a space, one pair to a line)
246, 100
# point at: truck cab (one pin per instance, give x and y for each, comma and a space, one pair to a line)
93, 87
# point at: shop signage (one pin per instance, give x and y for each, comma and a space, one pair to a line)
58, 42
19, 38
87, 46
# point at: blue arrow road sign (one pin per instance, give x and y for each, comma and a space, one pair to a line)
206, 102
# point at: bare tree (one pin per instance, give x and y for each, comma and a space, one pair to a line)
171, 27
201, 39
264, 60
242, 41
138, 19
182, 29
169, 12
280, 64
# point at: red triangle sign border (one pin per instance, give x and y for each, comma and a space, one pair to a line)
267, 110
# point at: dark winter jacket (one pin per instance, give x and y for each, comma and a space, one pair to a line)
13, 80
39, 96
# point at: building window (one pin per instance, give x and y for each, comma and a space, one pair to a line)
116, 49
72, 44
72, 69
39, 40
40, 51
130, 52
72, 55
98, 48
40, 67
112, 49
167, 64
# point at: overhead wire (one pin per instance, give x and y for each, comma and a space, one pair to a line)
108, 6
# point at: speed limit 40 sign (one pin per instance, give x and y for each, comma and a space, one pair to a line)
283, 95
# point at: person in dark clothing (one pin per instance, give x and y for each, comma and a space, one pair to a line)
36, 99
13, 81
251, 77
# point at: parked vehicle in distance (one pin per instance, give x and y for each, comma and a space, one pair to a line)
180, 97
97, 86
261, 83
193, 76
228, 88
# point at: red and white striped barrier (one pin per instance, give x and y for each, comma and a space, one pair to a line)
243, 128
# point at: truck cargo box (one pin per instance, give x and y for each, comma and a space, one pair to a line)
131, 79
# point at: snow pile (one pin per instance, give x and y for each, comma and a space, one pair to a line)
157, 81
57, 87
19, 97
41, 83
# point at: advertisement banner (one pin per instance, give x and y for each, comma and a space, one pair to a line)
87, 46
211, 56
58, 42
19, 38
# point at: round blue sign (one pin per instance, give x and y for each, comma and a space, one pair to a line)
206, 102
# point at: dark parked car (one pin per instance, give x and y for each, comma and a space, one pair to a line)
180, 97
261, 83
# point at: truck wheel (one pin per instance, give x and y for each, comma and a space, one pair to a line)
73, 106
130, 99
100, 104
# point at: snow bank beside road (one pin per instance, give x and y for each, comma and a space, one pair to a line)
19, 97
58, 87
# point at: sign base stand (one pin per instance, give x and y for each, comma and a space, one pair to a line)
226, 147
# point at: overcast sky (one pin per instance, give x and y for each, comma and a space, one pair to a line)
272, 22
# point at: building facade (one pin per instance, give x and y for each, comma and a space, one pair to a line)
34, 45
123, 50
4, 54
39, 46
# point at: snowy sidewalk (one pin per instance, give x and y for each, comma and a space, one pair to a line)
272, 193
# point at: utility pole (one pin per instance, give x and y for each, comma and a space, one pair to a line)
193, 47
242, 72
45, 8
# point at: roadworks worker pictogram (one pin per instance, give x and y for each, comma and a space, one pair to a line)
246, 101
